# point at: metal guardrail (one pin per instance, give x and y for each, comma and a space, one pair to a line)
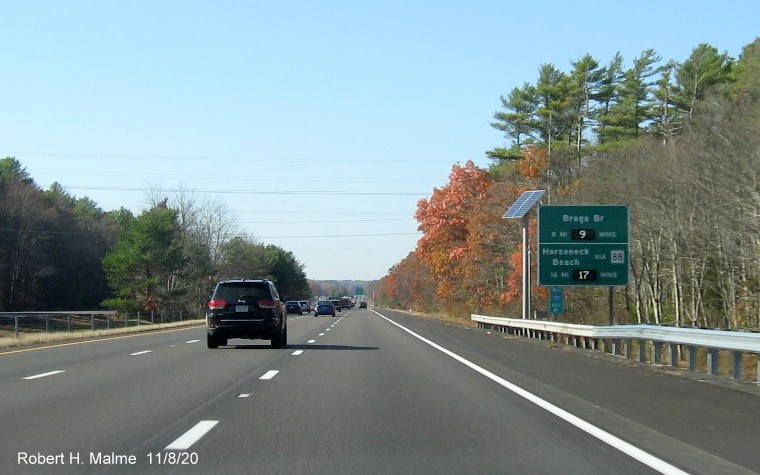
66, 321
652, 341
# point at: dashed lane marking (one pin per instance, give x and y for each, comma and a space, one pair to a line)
270, 374
186, 440
49, 373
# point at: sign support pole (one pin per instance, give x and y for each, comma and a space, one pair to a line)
525, 269
611, 303
520, 209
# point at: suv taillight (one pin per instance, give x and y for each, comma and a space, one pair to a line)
267, 304
217, 304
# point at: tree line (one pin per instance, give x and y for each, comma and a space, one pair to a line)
59, 252
676, 141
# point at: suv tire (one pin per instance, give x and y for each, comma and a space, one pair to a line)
211, 342
281, 339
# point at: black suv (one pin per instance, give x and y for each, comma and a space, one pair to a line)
246, 309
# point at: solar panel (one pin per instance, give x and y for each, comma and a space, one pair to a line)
523, 204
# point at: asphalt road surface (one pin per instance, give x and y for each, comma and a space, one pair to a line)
367, 392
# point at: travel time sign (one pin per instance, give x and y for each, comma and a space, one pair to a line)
583, 245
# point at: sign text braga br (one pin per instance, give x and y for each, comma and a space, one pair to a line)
583, 245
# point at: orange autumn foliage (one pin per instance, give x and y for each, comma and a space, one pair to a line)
444, 219
534, 164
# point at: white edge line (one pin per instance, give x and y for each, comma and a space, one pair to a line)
609, 439
192, 341
297, 353
141, 353
49, 373
186, 440
311, 341
270, 374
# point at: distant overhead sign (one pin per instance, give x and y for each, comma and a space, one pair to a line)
523, 204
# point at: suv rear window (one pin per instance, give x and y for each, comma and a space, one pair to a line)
232, 291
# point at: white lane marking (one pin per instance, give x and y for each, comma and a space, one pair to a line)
311, 341
192, 436
270, 374
244, 395
297, 353
320, 334
328, 329
609, 439
141, 353
192, 341
49, 373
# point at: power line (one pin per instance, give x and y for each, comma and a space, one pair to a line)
41, 232
121, 156
228, 178
328, 221
254, 192
337, 236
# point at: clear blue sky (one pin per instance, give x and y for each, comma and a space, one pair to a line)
319, 123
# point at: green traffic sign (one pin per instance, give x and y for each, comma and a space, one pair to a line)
583, 245
573, 224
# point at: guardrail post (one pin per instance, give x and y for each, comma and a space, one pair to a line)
738, 365
642, 351
92, 322
657, 352
108, 322
692, 358
712, 361
15, 325
68, 323
673, 355
628, 349
47, 324
758, 372
616, 346
138, 318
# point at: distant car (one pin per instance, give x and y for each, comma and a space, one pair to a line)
246, 309
305, 306
336, 304
324, 307
363, 305
294, 306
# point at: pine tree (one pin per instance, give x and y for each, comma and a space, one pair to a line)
517, 120
625, 119
704, 70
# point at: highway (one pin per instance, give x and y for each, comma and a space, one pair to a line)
368, 392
